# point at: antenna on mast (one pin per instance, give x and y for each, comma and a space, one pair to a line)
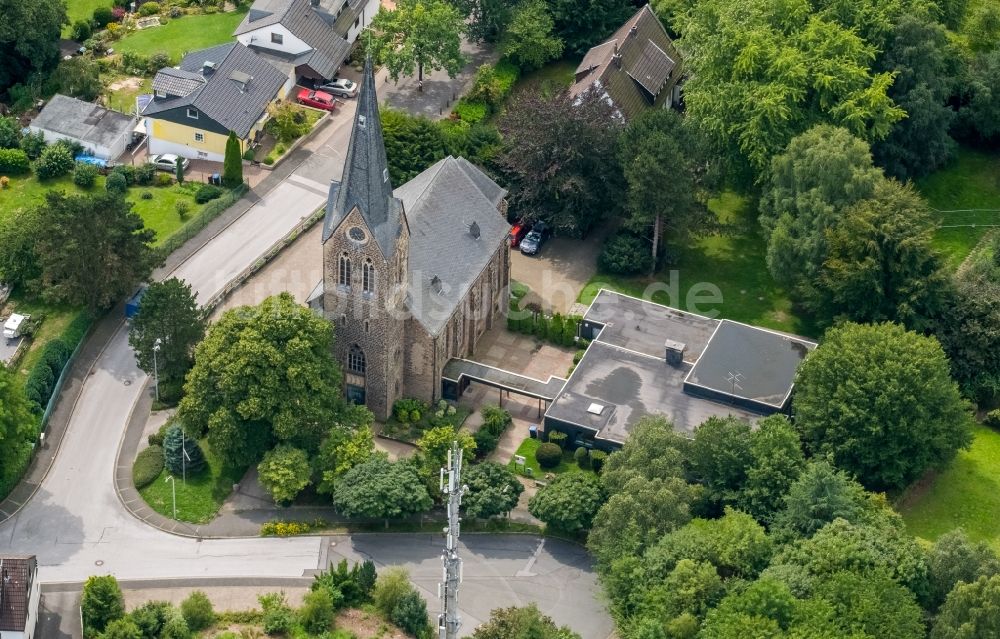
451, 484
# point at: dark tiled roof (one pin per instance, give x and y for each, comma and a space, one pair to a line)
365, 183
235, 105
83, 120
263, 13
16, 574
442, 204
638, 69
177, 82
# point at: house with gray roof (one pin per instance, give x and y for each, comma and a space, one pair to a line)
101, 132
212, 92
19, 596
305, 38
636, 69
413, 276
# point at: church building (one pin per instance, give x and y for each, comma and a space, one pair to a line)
412, 276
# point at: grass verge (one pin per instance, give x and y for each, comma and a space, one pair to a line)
527, 450
964, 495
198, 499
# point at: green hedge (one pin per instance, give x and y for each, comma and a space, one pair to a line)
44, 375
211, 211
147, 467
471, 112
555, 329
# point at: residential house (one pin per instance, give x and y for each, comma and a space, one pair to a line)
19, 597
412, 276
637, 68
102, 133
305, 38
212, 92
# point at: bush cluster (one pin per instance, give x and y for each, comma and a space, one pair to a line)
84, 175
548, 455
54, 162
558, 438
207, 193
210, 211
116, 183
409, 410
490, 88
147, 467
495, 421
14, 161
279, 528
625, 254
556, 329
43, 376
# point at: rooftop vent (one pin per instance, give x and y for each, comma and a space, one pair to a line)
362, 121
675, 353
595, 409
241, 78
474, 230
436, 284
617, 59
633, 30
208, 67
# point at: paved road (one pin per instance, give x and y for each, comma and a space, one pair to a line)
75, 523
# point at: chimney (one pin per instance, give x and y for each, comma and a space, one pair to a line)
436, 284
474, 230
633, 31
617, 59
208, 67
675, 353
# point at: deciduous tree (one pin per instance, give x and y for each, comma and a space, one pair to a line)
970, 611
521, 623
102, 602
586, 23
264, 373
284, 472
380, 489
29, 39
170, 320
493, 490
569, 503
776, 460
418, 34
528, 40
17, 427
954, 558
880, 400
92, 250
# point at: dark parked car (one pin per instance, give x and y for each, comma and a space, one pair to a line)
532, 242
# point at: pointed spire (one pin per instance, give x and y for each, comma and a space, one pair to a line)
365, 182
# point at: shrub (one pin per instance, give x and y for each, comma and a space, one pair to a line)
470, 112
558, 438
162, 180
278, 528
486, 442
116, 183
149, 9
102, 603
4, 182
993, 418
123, 628
175, 443
278, 617
81, 30
103, 16
597, 459
197, 611
183, 209
146, 195
144, 174
176, 628
127, 171
405, 408
33, 143
410, 614
14, 161
249, 155
548, 455
390, 588
207, 193
84, 175
156, 439
152, 616
625, 254
495, 419
316, 614
43, 375
582, 458
147, 467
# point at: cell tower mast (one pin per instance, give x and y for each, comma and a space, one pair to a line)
451, 485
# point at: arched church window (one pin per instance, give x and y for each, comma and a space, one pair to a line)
368, 276
345, 270
356, 360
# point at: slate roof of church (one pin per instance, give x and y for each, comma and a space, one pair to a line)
442, 204
637, 69
365, 183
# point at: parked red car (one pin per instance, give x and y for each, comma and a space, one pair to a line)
517, 232
317, 99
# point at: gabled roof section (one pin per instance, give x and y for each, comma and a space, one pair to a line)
637, 66
235, 94
365, 183
314, 25
263, 13
177, 82
455, 229
16, 575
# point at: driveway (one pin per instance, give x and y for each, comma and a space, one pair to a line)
560, 270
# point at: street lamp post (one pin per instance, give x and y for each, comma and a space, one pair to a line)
173, 491
156, 370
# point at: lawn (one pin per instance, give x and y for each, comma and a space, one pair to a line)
199, 499
81, 10
966, 494
971, 181
56, 318
527, 450
549, 79
158, 213
181, 35
125, 89
730, 261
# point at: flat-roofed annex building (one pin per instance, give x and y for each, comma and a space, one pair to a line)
648, 359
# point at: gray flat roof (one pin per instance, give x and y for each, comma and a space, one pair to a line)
546, 390
645, 327
764, 363
85, 121
631, 385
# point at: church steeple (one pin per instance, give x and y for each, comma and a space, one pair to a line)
365, 183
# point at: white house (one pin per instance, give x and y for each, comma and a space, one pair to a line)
305, 38
101, 132
19, 596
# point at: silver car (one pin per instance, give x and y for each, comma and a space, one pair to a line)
340, 87
168, 162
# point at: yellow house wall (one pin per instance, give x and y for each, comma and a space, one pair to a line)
182, 134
